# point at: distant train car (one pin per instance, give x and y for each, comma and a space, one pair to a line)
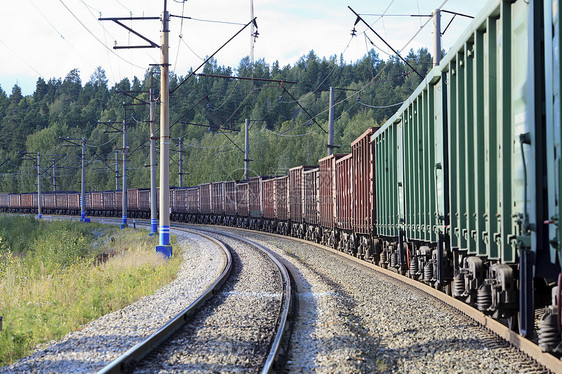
192, 201
281, 202
4, 201
327, 209
344, 238
217, 202
296, 200
311, 205
363, 193
73, 203
229, 203
242, 204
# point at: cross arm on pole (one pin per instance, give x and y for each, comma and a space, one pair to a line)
118, 20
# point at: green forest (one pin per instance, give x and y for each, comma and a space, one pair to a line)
288, 121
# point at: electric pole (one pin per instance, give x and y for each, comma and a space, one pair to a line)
83, 185
116, 170
180, 171
436, 37
153, 212
38, 185
331, 123
54, 177
165, 247
247, 150
124, 179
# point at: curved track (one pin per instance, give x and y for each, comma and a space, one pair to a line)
126, 361
233, 326
527, 347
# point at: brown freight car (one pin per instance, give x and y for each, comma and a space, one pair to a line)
311, 204
344, 236
4, 201
205, 202
97, 207
217, 202
192, 202
144, 202
296, 199
26, 202
61, 203
242, 204
327, 197
230, 202
73, 202
363, 179
282, 204
268, 198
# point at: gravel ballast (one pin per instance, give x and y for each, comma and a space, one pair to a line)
352, 319
234, 330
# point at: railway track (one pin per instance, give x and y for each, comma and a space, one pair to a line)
240, 328
513, 353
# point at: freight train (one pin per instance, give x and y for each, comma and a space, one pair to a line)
460, 189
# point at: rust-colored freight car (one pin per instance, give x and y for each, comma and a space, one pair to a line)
311, 204
178, 202
26, 202
15, 202
132, 201
327, 197
230, 198
217, 202
144, 201
73, 202
268, 198
311, 194
192, 202
282, 198
205, 198
61, 202
97, 207
109, 202
4, 201
256, 196
344, 202
49, 203
243, 202
362, 151
296, 199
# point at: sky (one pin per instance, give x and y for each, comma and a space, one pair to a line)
49, 38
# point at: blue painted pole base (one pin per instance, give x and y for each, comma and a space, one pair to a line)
153, 227
86, 220
123, 222
166, 250
39, 216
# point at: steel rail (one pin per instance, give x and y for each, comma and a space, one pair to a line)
124, 362
550, 362
287, 301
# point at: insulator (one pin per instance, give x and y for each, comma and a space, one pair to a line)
428, 271
549, 336
484, 298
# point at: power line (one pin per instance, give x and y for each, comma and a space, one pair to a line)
95, 37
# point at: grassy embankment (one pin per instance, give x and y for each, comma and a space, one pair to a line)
57, 276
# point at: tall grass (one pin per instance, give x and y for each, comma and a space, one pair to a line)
58, 281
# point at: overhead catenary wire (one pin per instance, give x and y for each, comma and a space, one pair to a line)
95, 37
